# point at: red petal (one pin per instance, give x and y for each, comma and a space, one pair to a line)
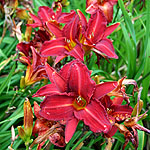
40, 127
80, 81
95, 116
45, 13
104, 88
53, 47
59, 58
105, 46
66, 17
96, 27
106, 101
121, 109
111, 132
24, 48
46, 90
91, 8
118, 100
64, 72
83, 19
36, 58
57, 107
107, 9
54, 29
120, 112
70, 129
36, 109
110, 29
37, 21
70, 29
77, 52
55, 78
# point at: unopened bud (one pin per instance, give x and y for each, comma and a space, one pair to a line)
28, 118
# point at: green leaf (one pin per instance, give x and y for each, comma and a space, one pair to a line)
7, 80
127, 20
82, 139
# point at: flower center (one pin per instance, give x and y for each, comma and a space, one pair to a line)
79, 103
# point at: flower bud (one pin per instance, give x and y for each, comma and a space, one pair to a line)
21, 133
22, 82
28, 118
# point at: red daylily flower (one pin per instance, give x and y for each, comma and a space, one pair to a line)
66, 44
42, 126
117, 113
95, 33
78, 36
46, 14
35, 69
73, 96
25, 47
106, 6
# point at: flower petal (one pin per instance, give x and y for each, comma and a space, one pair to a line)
104, 88
95, 116
110, 29
36, 109
77, 52
96, 26
80, 81
24, 48
107, 9
54, 29
111, 132
37, 21
54, 47
70, 129
55, 78
121, 112
45, 13
64, 72
57, 107
59, 58
46, 90
83, 20
70, 29
66, 17
105, 46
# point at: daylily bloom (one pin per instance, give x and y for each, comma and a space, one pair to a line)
35, 69
78, 37
66, 44
95, 33
117, 112
42, 126
46, 14
106, 6
73, 96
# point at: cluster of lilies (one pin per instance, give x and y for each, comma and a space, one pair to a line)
72, 95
